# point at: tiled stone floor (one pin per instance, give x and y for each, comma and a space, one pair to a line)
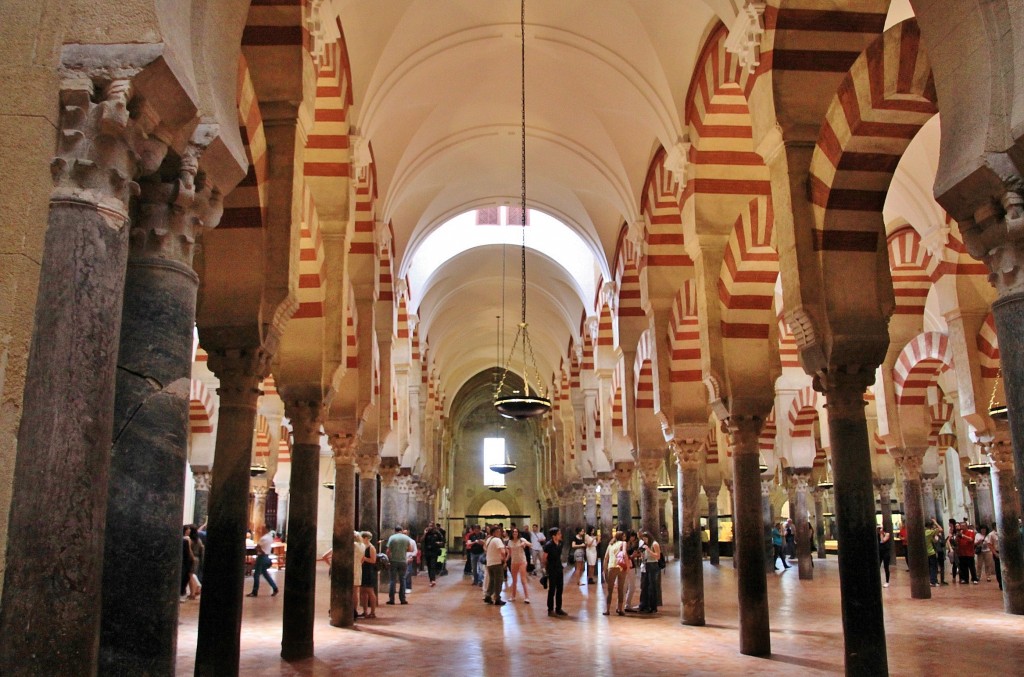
448, 630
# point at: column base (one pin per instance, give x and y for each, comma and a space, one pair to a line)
296, 651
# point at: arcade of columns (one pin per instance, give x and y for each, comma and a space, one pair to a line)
770, 333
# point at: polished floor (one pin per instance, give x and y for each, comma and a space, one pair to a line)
448, 630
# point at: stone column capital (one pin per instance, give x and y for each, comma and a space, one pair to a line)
88, 170
388, 471
202, 480
259, 492
650, 468
844, 390
800, 478
404, 483
623, 472
908, 459
174, 211
743, 433
368, 463
305, 411
995, 235
712, 491
766, 486
687, 452
728, 484
1000, 457
240, 371
344, 447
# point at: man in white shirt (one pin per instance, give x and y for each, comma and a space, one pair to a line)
537, 540
263, 549
496, 555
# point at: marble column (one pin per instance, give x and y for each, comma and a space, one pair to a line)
1008, 513
712, 491
389, 517
986, 504
1008, 310
201, 510
909, 463
885, 503
343, 535
819, 521
691, 567
303, 406
928, 496
732, 510
624, 477
767, 522
650, 468
52, 580
859, 582
675, 533
368, 464
142, 551
258, 516
403, 485
748, 536
972, 491
801, 479
590, 509
606, 521
240, 371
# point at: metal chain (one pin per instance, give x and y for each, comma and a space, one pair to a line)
522, 92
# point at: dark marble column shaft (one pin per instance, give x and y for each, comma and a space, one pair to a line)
202, 501
50, 617
649, 507
143, 542
713, 549
859, 583
985, 500
913, 513
692, 558
885, 503
801, 478
1008, 310
1008, 513
300, 579
343, 537
748, 536
368, 494
220, 609
767, 523
624, 477
819, 522
606, 521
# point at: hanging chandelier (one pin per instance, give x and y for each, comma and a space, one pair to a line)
257, 469
512, 403
506, 465
998, 412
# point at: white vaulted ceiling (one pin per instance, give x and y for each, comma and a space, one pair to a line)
436, 90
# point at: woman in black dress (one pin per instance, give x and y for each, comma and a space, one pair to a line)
368, 589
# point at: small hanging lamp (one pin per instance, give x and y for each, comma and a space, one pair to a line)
998, 412
510, 402
506, 465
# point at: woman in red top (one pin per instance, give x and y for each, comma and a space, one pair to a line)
965, 548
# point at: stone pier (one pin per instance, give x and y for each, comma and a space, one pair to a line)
909, 462
801, 479
691, 568
624, 478
343, 534
368, 462
650, 468
1008, 513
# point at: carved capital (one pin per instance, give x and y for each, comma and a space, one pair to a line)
104, 143
368, 464
688, 453
1000, 457
650, 469
388, 471
884, 489
801, 478
766, 486
240, 371
909, 461
712, 492
623, 472
176, 204
344, 447
996, 236
743, 433
306, 416
404, 484
259, 493
844, 390
202, 480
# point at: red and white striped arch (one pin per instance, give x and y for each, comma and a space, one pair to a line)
766, 440
661, 203
627, 273
803, 412
284, 447
746, 286
940, 412
913, 271
246, 205
575, 362
919, 365
327, 146
725, 166
261, 441
200, 408
988, 349
269, 386
385, 238
684, 336
644, 373
885, 98
311, 262
351, 331
402, 316
711, 447
789, 355
960, 262
605, 326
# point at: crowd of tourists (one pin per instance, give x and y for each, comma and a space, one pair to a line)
967, 550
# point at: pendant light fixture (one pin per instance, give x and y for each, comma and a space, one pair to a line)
510, 402
505, 466
997, 412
